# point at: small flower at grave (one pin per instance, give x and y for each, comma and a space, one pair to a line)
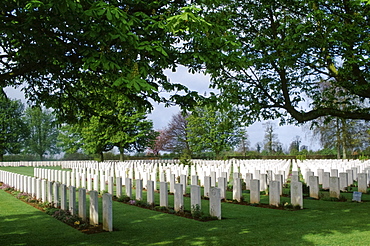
132, 202
77, 222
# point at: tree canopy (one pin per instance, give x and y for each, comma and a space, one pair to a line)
72, 55
43, 132
212, 130
284, 59
270, 59
13, 130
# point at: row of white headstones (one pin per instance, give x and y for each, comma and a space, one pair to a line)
51, 185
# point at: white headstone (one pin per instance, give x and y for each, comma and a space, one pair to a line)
207, 185
334, 187
82, 203
255, 191
314, 186
296, 194
107, 212
63, 197
163, 193
195, 197
237, 189
94, 211
139, 189
150, 193
362, 182
215, 202
72, 200
178, 198
118, 186
274, 193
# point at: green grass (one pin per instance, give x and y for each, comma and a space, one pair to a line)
319, 223
27, 170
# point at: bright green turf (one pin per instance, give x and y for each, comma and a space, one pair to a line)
320, 223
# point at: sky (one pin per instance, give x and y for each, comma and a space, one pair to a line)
161, 115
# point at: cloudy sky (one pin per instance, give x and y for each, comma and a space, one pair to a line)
161, 115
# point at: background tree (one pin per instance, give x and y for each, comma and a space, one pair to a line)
12, 128
160, 143
270, 141
70, 138
244, 144
343, 136
125, 128
258, 147
211, 130
295, 145
43, 132
178, 134
268, 57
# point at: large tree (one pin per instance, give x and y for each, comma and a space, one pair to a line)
270, 57
43, 132
178, 134
73, 55
12, 128
343, 136
213, 130
125, 128
271, 142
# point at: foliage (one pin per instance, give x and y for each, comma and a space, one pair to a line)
213, 130
74, 56
271, 143
12, 128
159, 143
345, 136
177, 133
244, 144
273, 58
43, 132
124, 127
294, 145
124, 198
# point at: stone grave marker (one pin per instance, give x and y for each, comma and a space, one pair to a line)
334, 190
178, 198
296, 194
72, 200
215, 202
82, 203
356, 196
255, 191
163, 194
195, 197
139, 189
107, 212
207, 185
274, 193
94, 212
314, 186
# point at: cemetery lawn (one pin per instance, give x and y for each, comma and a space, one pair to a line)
319, 223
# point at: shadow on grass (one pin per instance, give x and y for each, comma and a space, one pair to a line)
321, 222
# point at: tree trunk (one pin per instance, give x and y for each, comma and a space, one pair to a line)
344, 138
101, 156
1, 157
338, 138
344, 154
121, 153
